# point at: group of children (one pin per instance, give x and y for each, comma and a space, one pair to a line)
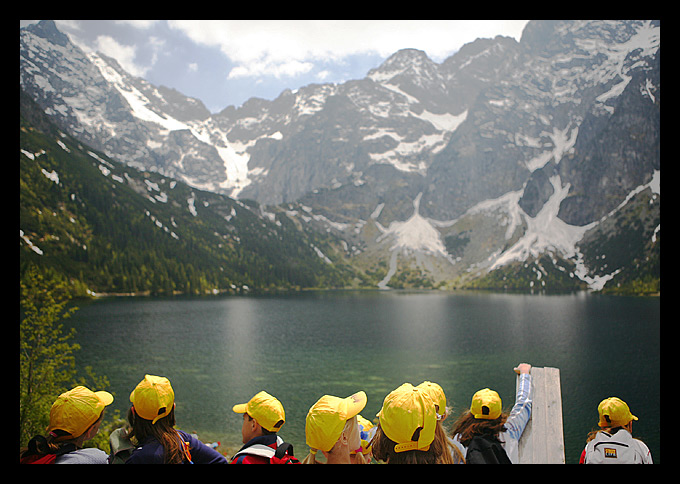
408, 430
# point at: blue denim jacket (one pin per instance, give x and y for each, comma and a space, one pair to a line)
517, 421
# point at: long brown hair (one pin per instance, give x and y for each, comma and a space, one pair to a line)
163, 431
468, 426
383, 450
450, 449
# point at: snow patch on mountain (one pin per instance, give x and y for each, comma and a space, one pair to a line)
443, 122
508, 204
234, 155
137, 101
401, 156
30, 244
416, 234
310, 104
545, 232
563, 143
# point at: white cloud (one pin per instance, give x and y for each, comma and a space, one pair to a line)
290, 47
267, 56
157, 46
79, 31
139, 24
270, 67
124, 54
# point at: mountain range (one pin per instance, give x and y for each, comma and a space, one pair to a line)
530, 165
110, 228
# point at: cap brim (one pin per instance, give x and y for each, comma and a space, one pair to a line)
355, 403
105, 397
240, 408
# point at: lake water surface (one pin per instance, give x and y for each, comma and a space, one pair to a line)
219, 351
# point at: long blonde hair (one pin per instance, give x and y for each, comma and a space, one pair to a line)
450, 449
349, 426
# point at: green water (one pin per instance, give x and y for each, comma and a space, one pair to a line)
220, 351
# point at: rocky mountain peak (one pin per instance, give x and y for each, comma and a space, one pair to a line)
500, 127
405, 61
47, 29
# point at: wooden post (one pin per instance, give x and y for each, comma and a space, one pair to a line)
542, 441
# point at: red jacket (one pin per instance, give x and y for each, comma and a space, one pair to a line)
247, 453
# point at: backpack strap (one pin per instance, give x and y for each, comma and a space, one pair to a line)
284, 455
282, 450
35, 444
33, 454
261, 450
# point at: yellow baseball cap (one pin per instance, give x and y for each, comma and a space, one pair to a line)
153, 398
614, 412
265, 409
405, 411
76, 410
486, 404
437, 395
326, 419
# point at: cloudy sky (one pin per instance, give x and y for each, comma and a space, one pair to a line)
226, 62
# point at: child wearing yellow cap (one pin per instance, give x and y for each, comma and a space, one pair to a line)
332, 427
152, 422
452, 455
407, 427
263, 417
613, 443
486, 419
74, 418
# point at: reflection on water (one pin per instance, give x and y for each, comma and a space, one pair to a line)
221, 351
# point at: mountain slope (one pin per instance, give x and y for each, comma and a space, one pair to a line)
110, 228
432, 175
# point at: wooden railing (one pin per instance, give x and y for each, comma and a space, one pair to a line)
542, 441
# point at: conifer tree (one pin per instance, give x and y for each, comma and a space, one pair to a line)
46, 353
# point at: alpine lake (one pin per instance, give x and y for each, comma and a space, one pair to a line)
218, 351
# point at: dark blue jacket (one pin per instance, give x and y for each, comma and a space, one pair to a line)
152, 452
